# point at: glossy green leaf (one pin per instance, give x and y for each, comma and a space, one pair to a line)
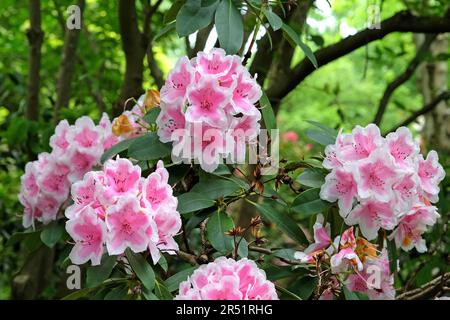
311, 178
274, 20
267, 113
142, 269
51, 233
193, 201
309, 202
229, 26
217, 225
148, 147
95, 275
150, 117
297, 40
195, 15
282, 221
216, 188
116, 149
174, 281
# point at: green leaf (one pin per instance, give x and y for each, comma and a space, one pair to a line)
296, 39
150, 117
304, 286
283, 222
393, 256
149, 295
274, 20
287, 254
166, 29
171, 14
267, 112
229, 26
148, 147
142, 269
309, 203
193, 201
95, 275
330, 131
194, 15
349, 295
78, 294
215, 188
116, 149
174, 281
162, 292
51, 234
243, 248
23, 237
217, 225
163, 263
320, 137
118, 293
311, 178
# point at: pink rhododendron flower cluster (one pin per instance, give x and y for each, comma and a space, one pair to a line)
215, 92
227, 279
352, 259
76, 149
118, 208
383, 183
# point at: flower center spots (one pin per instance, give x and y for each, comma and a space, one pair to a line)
126, 227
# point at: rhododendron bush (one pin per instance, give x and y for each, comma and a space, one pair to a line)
146, 203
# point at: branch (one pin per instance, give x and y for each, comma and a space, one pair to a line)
403, 21
403, 77
67, 67
190, 258
425, 109
35, 37
428, 290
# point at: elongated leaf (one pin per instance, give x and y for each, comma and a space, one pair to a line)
193, 201
285, 254
194, 15
217, 225
166, 29
174, 281
151, 116
311, 178
349, 295
304, 286
216, 188
393, 256
320, 136
162, 292
267, 113
78, 294
142, 269
51, 234
332, 132
118, 293
116, 149
95, 275
296, 38
229, 26
274, 20
283, 222
171, 14
148, 147
309, 202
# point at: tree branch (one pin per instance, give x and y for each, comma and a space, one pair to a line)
428, 290
425, 109
35, 37
403, 21
402, 78
67, 67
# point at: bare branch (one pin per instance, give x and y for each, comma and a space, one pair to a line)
428, 290
403, 21
402, 78
425, 109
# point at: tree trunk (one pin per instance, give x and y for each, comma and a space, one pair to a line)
134, 49
67, 67
35, 37
432, 79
